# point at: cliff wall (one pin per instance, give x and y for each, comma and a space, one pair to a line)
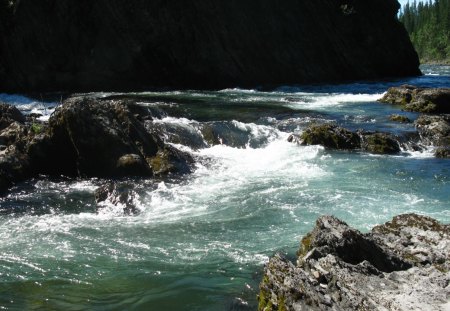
68, 45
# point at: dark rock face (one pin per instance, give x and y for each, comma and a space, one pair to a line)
401, 265
68, 45
412, 98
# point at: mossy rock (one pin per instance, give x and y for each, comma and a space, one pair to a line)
399, 118
330, 136
380, 143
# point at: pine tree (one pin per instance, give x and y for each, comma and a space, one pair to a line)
428, 24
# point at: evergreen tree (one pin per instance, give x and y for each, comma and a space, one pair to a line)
428, 24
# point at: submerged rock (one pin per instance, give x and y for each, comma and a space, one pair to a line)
117, 194
401, 265
412, 98
117, 45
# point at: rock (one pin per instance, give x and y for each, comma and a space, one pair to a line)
87, 137
335, 137
8, 115
379, 143
412, 98
399, 118
401, 265
442, 152
435, 130
330, 136
117, 194
132, 45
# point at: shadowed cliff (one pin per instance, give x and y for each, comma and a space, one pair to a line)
68, 45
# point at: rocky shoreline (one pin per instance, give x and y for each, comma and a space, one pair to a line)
401, 265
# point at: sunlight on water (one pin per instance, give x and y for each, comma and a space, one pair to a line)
198, 242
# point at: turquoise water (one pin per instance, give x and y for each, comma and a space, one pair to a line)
199, 242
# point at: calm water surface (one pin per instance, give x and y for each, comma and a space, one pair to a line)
200, 241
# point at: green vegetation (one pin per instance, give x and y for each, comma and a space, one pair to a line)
428, 25
36, 128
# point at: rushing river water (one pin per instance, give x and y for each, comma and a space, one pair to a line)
199, 241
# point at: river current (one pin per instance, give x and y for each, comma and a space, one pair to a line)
199, 241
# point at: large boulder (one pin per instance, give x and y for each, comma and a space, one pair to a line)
412, 98
401, 265
135, 44
88, 138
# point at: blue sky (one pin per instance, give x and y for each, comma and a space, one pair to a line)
403, 2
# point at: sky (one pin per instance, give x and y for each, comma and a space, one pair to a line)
403, 2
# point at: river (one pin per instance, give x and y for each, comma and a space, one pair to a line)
199, 241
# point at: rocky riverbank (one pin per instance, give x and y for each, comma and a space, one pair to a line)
66, 45
401, 265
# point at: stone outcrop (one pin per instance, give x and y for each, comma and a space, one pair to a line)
88, 138
418, 99
68, 45
401, 265
335, 137
435, 130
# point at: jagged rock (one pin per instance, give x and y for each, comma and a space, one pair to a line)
117, 45
401, 265
88, 137
117, 194
379, 143
412, 98
9, 114
330, 136
435, 130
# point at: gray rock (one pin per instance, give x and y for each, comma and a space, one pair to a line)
401, 265
412, 98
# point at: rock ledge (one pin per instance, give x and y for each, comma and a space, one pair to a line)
401, 265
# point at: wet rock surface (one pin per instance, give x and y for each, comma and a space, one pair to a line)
335, 137
401, 265
413, 98
133, 45
435, 130
87, 138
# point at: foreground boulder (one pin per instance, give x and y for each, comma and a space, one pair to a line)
88, 138
116, 45
412, 98
335, 137
401, 265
